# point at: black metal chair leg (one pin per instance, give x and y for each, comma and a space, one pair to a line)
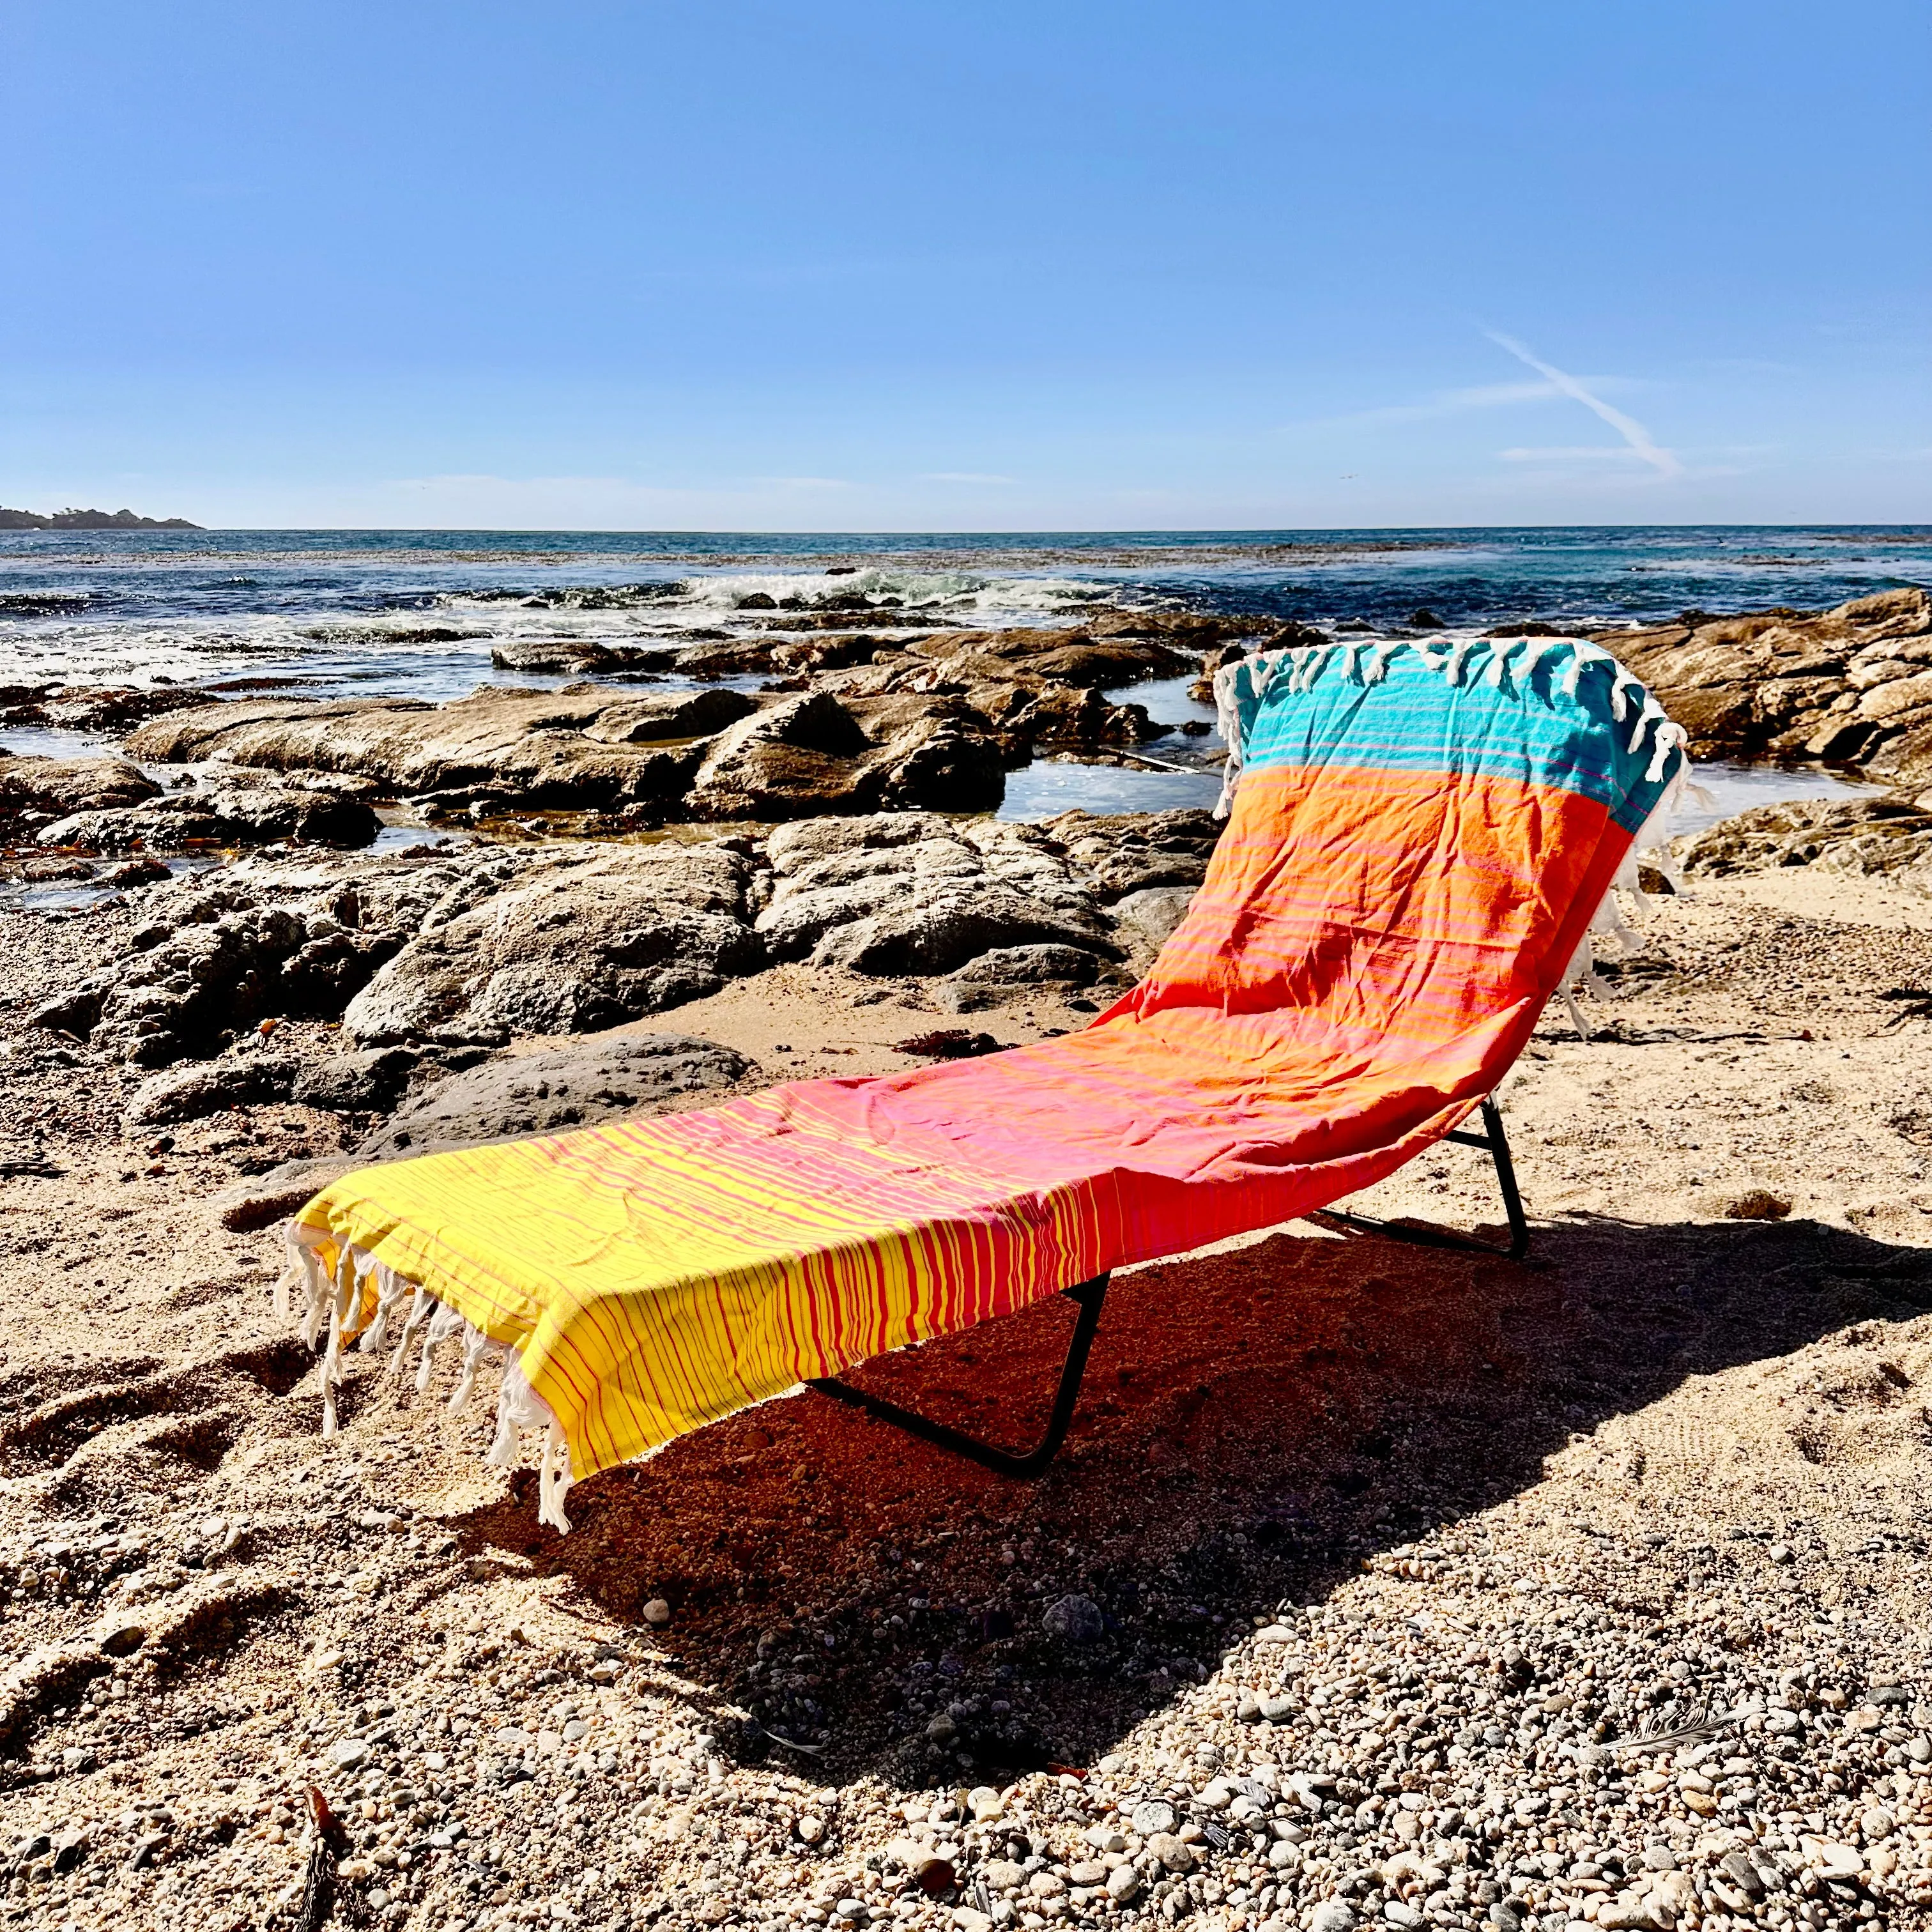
1495, 1143
1089, 1295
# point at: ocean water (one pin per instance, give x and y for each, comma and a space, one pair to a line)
416, 614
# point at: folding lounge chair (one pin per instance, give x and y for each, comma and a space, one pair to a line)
1421, 837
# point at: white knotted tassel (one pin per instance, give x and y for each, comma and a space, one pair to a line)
1651, 713
390, 1289
1624, 681
321, 1297
477, 1348
443, 1324
1228, 681
553, 1479
1568, 992
1494, 671
294, 1271
1459, 656
1264, 668
1535, 651
1583, 655
518, 1407
1671, 736
1380, 658
419, 1310
347, 1291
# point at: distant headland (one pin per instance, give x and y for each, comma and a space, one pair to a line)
91, 520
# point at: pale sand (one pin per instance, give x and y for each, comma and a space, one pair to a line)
1776, 1039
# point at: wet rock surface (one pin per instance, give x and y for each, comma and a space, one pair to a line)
578, 657
94, 708
582, 746
852, 721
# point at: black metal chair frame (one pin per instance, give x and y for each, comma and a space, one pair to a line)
1495, 1143
1087, 1296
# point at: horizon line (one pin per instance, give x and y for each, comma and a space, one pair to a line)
1062, 530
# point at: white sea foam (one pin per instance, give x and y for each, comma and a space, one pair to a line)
440, 648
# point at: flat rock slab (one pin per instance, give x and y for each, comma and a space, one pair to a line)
369, 1082
263, 1199
509, 1098
584, 746
1146, 919
1011, 972
910, 893
211, 1086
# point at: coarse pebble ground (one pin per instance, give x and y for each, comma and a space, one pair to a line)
1377, 1583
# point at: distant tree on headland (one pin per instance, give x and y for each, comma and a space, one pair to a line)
91, 520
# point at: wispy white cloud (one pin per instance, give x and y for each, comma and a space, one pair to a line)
1455, 402
1481, 396
1616, 452
962, 476
1663, 461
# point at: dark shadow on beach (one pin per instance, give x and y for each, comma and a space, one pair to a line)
1253, 1425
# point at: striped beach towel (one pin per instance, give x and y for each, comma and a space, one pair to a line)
1420, 837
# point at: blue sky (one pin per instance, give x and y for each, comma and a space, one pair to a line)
987, 266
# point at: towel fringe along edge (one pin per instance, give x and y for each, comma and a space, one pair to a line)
358, 1300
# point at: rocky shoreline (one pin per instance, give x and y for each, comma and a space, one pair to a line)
1376, 1586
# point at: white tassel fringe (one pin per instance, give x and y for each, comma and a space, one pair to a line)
336, 1299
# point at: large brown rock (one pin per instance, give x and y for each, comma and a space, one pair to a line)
1133, 852
578, 942
581, 746
93, 708
911, 893
1850, 684
817, 754
507, 1098
250, 815
578, 656
1859, 838
1061, 657
292, 936
36, 790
